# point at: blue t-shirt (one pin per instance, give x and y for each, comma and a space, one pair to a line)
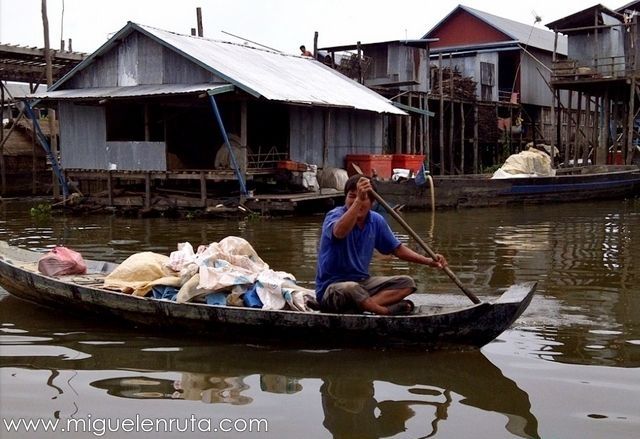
348, 259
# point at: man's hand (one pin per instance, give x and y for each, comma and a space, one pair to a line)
439, 262
364, 187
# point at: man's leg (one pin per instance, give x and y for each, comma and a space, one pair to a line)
387, 290
349, 297
373, 295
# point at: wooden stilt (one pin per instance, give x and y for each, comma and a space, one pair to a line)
476, 164
442, 162
147, 190
462, 137
578, 138
203, 189
628, 150
110, 188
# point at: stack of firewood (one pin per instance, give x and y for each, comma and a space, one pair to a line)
463, 87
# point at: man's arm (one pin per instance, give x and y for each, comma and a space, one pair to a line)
406, 254
347, 222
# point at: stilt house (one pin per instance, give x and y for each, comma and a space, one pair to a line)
511, 64
143, 104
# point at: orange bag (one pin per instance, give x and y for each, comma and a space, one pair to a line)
61, 261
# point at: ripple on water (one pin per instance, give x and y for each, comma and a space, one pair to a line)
161, 349
604, 332
32, 351
123, 241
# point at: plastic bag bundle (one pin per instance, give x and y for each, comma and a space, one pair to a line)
62, 261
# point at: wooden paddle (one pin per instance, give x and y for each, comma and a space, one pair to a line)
424, 245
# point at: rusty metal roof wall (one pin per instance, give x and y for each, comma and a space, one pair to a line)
273, 75
127, 92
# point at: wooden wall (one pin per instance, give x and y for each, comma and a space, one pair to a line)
325, 136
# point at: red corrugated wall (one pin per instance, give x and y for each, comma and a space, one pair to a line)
462, 28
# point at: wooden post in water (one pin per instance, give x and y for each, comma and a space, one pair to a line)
476, 114
147, 190
558, 127
451, 116
567, 149
628, 150
422, 117
203, 189
34, 160
398, 143
461, 137
407, 124
578, 139
441, 114
110, 188
596, 128
604, 129
3, 177
51, 114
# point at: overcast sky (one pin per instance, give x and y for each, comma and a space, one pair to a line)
280, 24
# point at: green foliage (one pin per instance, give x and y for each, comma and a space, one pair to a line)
491, 169
41, 211
253, 216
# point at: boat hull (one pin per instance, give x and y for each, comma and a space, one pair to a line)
482, 191
470, 326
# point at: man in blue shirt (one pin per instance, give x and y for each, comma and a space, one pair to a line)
350, 233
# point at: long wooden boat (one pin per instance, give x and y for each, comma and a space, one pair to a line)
479, 190
432, 325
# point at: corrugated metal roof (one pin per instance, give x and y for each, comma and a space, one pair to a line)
585, 18
525, 34
261, 73
129, 91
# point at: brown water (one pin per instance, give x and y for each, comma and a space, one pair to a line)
569, 368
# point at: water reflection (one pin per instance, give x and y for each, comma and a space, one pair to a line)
191, 386
375, 392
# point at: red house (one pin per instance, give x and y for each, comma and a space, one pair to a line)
506, 58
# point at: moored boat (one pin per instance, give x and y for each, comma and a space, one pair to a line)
480, 190
434, 324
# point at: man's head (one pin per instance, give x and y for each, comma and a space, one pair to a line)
303, 49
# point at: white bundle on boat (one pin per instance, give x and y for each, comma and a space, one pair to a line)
233, 264
529, 163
